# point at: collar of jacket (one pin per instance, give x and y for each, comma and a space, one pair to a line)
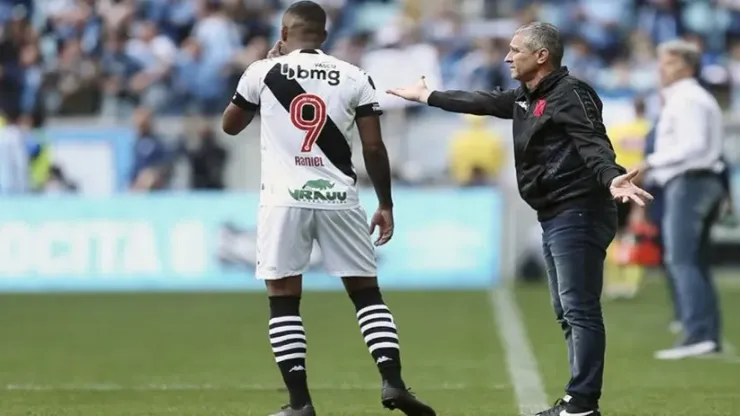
546, 84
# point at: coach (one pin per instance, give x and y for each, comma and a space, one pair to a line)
687, 164
566, 171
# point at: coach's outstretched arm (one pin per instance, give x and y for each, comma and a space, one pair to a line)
580, 115
579, 111
483, 103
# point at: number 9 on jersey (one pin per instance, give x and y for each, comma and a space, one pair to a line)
312, 126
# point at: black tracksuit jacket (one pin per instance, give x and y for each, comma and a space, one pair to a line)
562, 154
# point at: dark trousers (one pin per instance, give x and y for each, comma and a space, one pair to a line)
574, 243
691, 204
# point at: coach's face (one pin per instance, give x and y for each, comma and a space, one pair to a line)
671, 68
522, 61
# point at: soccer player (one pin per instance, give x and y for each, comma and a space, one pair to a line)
309, 103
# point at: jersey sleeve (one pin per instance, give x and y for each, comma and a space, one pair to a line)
367, 102
247, 95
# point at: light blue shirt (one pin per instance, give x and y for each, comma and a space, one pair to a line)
14, 170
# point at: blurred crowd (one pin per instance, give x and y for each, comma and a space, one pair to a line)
86, 57
612, 42
135, 60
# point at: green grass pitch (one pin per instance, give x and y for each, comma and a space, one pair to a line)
208, 354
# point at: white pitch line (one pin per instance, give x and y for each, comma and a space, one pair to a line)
520, 360
116, 387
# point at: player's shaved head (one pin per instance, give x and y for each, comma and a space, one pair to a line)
305, 22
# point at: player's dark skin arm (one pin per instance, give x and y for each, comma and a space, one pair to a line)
376, 158
379, 169
236, 119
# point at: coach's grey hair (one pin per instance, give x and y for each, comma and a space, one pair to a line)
538, 35
687, 51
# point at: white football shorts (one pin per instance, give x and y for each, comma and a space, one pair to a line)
285, 238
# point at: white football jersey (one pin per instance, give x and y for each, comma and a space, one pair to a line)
308, 102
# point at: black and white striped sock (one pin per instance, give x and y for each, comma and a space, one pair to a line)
379, 331
288, 341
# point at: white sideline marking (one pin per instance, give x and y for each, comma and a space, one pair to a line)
520, 360
116, 387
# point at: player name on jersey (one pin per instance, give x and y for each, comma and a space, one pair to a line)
310, 161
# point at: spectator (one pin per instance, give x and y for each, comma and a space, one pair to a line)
73, 20
118, 69
219, 41
190, 52
14, 174
476, 153
734, 67
599, 22
175, 18
207, 161
155, 53
581, 60
623, 280
152, 162
187, 72
75, 81
660, 19
117, 14
58, 183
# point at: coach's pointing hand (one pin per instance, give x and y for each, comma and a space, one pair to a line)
418, 92
624, 190
383, 219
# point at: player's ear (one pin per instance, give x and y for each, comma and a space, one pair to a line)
324, 35
284, 34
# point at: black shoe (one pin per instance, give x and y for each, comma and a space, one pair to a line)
286, 410
403, 400
563, 408
555, 410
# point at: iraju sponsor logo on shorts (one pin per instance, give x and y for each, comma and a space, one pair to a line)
319, 191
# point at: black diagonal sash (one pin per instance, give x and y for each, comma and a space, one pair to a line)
331, 140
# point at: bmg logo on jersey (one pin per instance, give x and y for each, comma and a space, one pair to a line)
298, 72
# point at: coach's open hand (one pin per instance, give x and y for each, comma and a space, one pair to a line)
383, 219
277, 50
623, 189
418, 92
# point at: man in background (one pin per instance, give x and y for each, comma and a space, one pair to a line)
476, 153
622, 280
14, 173
653, 214
152, 162
687, 163
207, 161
